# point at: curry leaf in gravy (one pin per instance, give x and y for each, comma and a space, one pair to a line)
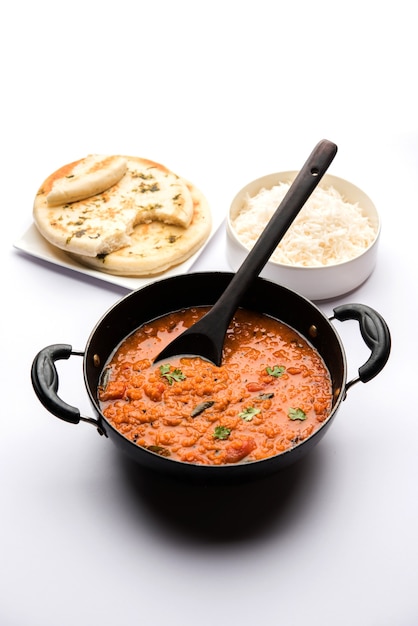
221, 432
159, 450
296, 414
199, 408
104, 378
248, 413
266, 396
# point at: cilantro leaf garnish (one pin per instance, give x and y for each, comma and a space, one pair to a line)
221, 432
296, 414
275, 371
248, 413
172, 376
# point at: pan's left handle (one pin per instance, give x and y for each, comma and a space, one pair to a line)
45, 381
375, 333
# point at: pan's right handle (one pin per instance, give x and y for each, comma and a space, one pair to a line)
375, 333
45, 380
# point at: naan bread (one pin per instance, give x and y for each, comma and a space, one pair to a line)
88, 177
157, 246
147, 192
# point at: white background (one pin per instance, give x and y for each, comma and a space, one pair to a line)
220, 92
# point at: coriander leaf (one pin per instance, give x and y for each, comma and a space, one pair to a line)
221, 432
275, 371
172, 376
296, 414
248, 413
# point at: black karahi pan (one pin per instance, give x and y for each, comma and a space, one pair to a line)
203, 289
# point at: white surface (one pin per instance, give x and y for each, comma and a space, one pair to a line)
223, 93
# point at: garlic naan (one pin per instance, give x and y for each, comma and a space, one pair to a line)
103, 222
88, 177
156, 246
122, 215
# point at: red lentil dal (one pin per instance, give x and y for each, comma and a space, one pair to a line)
271, 392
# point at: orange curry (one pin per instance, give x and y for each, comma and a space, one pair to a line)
271, 392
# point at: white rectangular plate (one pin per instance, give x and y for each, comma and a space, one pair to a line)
33, 244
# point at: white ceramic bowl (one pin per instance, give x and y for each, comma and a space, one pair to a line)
316, 283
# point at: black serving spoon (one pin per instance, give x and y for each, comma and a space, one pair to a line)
206, 337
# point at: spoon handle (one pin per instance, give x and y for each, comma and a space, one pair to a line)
206, 336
